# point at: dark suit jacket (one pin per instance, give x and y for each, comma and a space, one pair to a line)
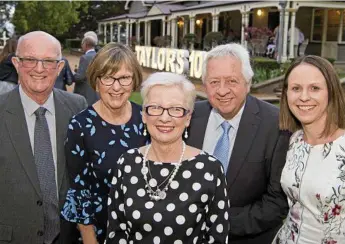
65, 77
258, 204
82, 86
21, 212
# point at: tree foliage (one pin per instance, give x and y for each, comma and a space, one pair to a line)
54, 17
96, 11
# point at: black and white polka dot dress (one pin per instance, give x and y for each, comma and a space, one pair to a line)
195, 210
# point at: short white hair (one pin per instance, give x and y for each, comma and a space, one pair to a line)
89, 41
170, 79
93, 35
234, 50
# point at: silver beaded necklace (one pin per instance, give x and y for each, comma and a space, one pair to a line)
160, 194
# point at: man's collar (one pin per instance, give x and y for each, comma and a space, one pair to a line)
234, 122
30, 106
90, 50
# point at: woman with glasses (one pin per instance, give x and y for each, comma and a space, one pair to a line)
97, 137
168, 192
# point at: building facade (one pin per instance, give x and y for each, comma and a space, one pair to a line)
321, 22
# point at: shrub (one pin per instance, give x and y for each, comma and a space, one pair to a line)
213, 38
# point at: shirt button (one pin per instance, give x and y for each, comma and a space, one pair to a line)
40, 233
39, 203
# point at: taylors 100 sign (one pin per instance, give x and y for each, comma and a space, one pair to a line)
178, 61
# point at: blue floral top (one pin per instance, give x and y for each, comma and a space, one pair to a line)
92, 149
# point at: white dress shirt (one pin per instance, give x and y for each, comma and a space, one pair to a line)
214, 130
30, 106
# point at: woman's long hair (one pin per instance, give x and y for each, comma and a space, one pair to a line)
10, 48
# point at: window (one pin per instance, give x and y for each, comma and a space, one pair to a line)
333, 24
318, 24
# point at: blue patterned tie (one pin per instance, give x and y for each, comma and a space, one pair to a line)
221, 151
46, 174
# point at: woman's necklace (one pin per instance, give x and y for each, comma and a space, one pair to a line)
160, 194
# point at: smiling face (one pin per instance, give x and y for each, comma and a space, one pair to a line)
116, 95
226, 87
165, 129
307, 96
37, 82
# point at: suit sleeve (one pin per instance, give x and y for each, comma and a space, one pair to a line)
80, 76
271, 209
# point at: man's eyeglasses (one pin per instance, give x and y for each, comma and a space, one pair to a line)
123, 80
176, 112
32, 62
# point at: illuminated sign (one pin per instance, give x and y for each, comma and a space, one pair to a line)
178, 61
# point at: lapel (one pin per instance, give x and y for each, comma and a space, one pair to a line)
62, 115
16, 124
246, 133
198, 124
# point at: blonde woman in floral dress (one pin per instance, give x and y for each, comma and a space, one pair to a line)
313, 107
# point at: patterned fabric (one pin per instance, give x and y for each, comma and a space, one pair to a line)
46, 174
195, 210
314, 181
92, 148
221, 151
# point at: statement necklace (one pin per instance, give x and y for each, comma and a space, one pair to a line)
160, 194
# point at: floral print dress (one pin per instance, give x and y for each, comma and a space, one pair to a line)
314, 181
92, 149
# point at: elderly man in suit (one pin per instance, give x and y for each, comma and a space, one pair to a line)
82, 85
243, 133
34, 120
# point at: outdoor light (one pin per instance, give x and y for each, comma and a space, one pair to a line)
259, 12
199, 22
180, 23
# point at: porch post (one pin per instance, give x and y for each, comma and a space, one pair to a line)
119, 32
286, 26
99, 28
137, 33
163, 27
215, 21
130, 30
192, 24
173, 32
105, 33
292, 35
242, 28
146, 35
169, 27
127, 32
149, 33
111, 32
340, 33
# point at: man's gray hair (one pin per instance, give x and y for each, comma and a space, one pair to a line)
93, 35
234, 50
170, 79
89, 41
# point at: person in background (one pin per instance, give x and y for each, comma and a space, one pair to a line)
8, 73
34, 118
298, 39
98, 136
243, 133
82, 85
66, 77
312, 107
95, 37
168, 192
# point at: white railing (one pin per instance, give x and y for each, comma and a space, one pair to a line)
3, 40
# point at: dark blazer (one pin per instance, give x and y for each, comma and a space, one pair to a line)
65, 77
258, 203
7, 70
82, 86
21, 212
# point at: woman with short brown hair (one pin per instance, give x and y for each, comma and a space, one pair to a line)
97, 137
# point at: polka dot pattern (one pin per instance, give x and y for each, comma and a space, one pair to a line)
195, 203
